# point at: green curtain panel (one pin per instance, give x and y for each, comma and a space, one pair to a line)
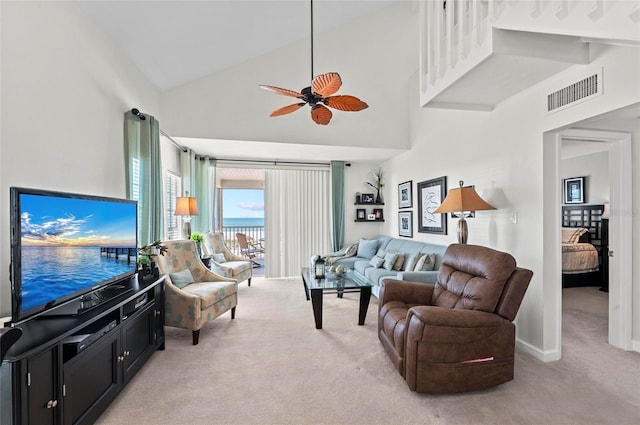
337, 204
198, 178
144, 175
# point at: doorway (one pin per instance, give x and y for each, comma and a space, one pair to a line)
620, 243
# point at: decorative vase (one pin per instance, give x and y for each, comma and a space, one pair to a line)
378, 198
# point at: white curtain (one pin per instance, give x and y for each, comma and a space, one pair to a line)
297, 226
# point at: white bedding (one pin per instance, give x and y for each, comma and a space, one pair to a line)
579, 258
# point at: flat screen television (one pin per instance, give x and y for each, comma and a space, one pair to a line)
66, 245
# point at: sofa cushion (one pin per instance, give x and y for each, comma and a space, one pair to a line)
376, 261
181, 278
374, 275
390, 260
426, 263
361, 265
367, 248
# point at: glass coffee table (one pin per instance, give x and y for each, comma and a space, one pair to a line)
350, 281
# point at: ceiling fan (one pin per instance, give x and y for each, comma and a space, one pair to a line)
319, 94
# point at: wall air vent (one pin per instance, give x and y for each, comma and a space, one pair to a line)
577, 92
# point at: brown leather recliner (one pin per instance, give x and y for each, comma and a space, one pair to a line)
455, 335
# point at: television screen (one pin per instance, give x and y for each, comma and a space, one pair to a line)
65, 245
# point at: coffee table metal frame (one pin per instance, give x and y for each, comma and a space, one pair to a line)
314, 289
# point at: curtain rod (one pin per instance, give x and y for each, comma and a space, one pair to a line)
177, 145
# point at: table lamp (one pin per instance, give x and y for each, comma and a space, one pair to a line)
187, 207
460, 200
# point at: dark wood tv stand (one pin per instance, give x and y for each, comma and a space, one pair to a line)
68, 369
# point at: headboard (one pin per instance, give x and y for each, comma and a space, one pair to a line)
587, 216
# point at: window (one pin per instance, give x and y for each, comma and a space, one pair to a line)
172, 192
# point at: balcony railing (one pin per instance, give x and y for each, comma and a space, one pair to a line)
255, 233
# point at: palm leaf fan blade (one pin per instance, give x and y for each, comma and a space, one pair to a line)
287, 109
321, 115
326, 84
284, 92
345, 103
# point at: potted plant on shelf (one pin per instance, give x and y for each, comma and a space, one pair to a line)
146, 264
376, 183
199, 239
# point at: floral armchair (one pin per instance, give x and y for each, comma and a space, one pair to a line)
226, 263
194, 295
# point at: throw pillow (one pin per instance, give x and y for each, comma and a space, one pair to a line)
399, 261
410, 264
367, 248
572, 234
389, 260
218, 258
381, 253
376, 261
426, 263
181, 278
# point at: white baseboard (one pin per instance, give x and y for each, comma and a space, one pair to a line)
544, 356
635, 345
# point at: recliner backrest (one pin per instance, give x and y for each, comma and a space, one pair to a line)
472, 277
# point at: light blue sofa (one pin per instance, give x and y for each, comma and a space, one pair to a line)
388, 244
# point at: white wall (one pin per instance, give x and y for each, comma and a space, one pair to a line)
595, 168
64, 91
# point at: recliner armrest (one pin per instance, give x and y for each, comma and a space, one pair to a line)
455, 317
408, 292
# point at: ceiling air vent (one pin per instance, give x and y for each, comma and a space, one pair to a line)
575, 93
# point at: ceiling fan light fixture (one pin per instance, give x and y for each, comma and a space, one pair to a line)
318, 94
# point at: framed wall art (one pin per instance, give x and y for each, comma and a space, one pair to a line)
361, 214
405, 224
405, 195
367, 198
431, 193
574, 190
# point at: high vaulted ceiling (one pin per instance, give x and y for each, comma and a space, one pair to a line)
176, 42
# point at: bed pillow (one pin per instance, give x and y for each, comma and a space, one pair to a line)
376, 261
367, 248
181, 278
572, 234
426, 263
390, 260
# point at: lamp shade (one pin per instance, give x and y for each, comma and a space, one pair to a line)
186, 205
605, 213
463, 199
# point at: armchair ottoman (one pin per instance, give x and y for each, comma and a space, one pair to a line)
455, 335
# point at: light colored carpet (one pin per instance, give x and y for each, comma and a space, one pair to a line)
271, 366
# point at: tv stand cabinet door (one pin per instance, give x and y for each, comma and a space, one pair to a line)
91, 380
138, 340
42, 399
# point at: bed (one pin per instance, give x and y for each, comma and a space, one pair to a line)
583, 246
